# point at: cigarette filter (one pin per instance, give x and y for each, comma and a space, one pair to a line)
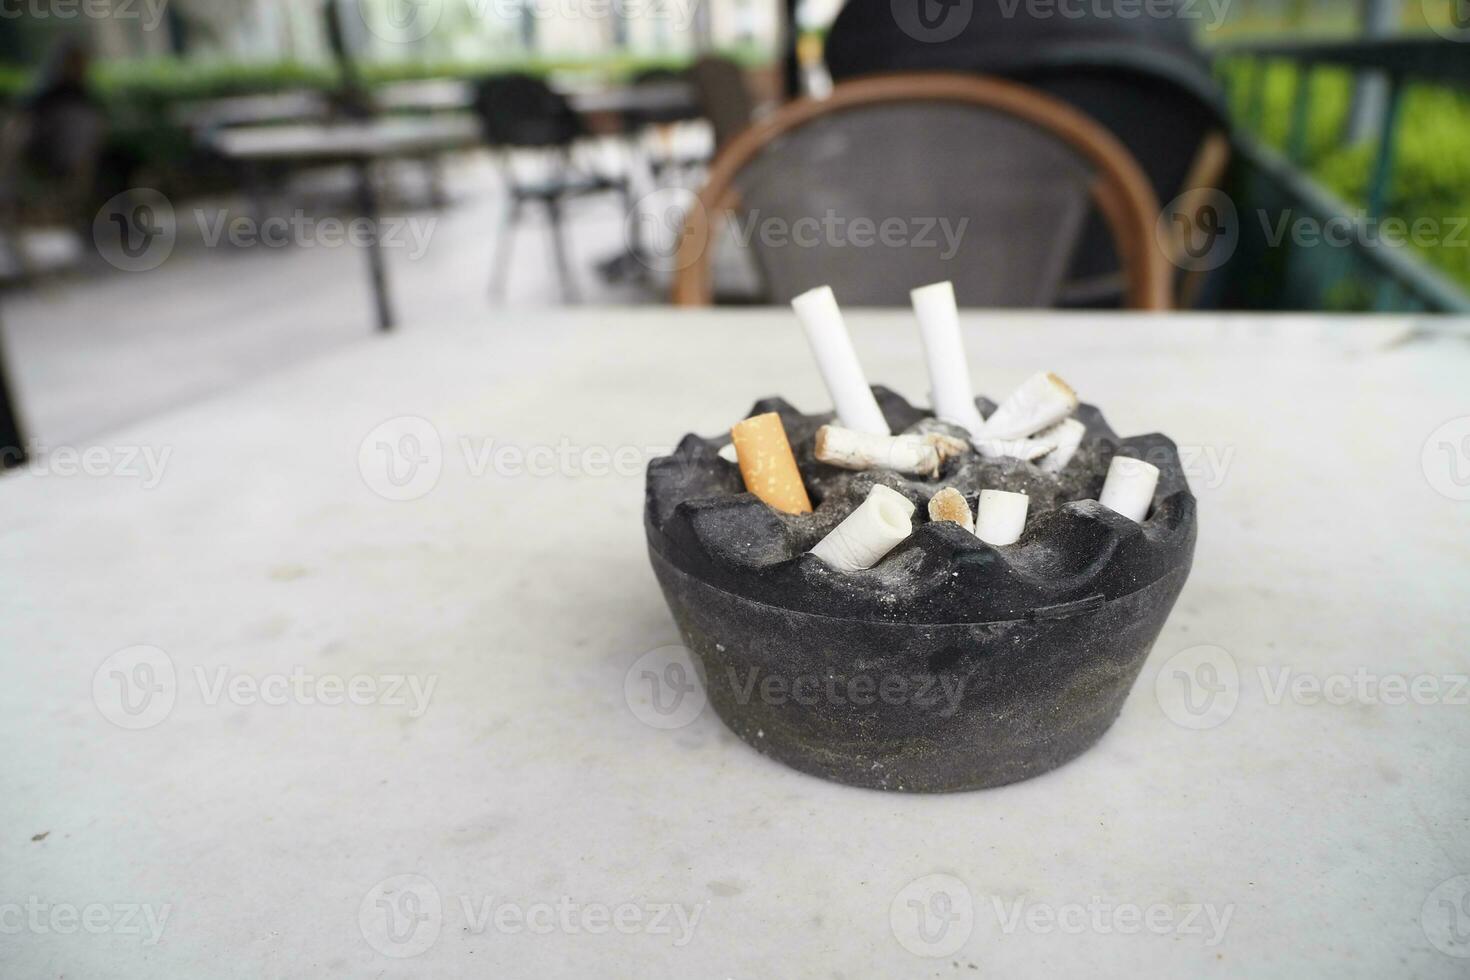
856, 407
1000, 516
944, 351
1068, 435
921, 455
880, 522
950, 505
1129, 487
1040, 402
767, 464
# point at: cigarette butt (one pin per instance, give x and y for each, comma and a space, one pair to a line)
827, 333
950, 505
867, 534
1040, 402
922, 455
1068, 435
1000, 516
1129, 487
767, 464
944, 351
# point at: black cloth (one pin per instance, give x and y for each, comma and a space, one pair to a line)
1141, 77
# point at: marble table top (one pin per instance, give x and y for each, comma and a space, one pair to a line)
339, 673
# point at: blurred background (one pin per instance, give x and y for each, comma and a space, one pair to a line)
197, 192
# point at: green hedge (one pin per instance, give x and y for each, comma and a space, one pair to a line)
142, 95
1432, 170
170, 81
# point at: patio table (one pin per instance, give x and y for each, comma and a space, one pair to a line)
448, 522
360, 144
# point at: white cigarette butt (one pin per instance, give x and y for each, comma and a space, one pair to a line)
1000, 516
921, 455
944, 350
838, 362
1040, 402
1129, 487
867, 534
1068, 435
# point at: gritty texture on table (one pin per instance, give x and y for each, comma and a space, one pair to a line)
700, 518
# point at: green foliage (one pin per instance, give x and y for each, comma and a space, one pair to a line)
142, 95
1431, 177
168, 81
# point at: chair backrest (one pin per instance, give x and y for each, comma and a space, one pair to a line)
519, 110
901, 180
724, 99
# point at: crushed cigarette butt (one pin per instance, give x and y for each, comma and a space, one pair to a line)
1040, 402
920, 455
950, 505
880, 522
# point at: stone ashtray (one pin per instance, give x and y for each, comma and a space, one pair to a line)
951, 664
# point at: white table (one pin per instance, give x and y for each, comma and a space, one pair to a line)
1324, 831
360, 144
371, 139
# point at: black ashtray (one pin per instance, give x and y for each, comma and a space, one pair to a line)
952, 664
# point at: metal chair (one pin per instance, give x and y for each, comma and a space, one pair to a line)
901, 180
665, 157
522, 114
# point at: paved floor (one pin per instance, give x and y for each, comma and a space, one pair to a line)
96, 349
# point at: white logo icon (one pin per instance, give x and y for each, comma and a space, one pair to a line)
1446, 917
1453, 23
1199, 230
404, 21
663, 688
136, 688
656, 225
1446, 459
1199, 687
933, 916
402, 458
401, 916
135, 231
932, 21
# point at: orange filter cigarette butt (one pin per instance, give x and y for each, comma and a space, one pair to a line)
768, 465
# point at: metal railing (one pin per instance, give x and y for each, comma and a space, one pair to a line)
1434, 60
